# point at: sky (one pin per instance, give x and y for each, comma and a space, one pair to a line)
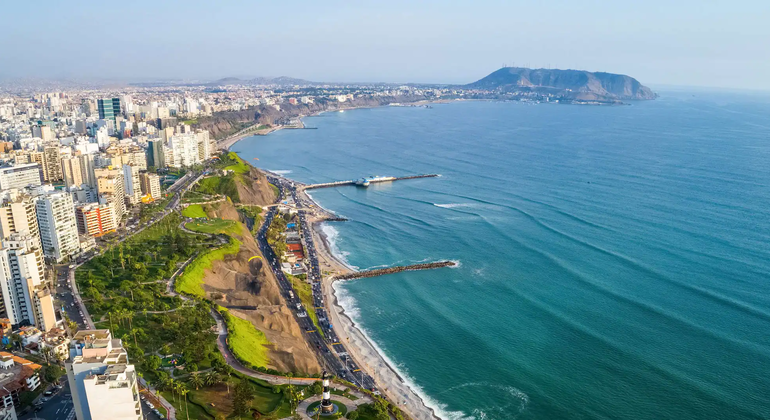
682, 43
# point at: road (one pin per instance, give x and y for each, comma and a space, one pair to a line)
332, 353
58, 407
69, 302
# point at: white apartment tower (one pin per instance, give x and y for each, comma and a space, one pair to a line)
58, 228
204, 145
26, 299
132, 184
18, 214
103, 384
184, 150
20, 176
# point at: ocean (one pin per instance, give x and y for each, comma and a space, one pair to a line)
614, 260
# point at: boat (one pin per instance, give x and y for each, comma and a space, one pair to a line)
364, 182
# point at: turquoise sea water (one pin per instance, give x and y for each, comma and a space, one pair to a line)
615, 261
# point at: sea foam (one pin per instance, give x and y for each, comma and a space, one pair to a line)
349, 305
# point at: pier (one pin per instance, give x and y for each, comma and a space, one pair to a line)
397, 269
354, 182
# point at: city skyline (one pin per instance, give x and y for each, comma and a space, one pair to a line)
685, 44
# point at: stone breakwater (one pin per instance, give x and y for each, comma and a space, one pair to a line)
391, 270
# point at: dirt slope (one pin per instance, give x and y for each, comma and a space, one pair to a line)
255, 190
244, 283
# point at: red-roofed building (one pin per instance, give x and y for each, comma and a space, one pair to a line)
16, 375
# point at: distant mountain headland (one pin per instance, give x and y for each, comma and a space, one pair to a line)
576, 85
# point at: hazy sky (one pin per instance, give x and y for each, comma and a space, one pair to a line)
679, 42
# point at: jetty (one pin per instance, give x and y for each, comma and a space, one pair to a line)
396, 269
373, 181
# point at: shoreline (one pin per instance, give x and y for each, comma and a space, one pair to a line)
364, 352
361, 348
229, 142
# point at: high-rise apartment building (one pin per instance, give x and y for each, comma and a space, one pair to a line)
26, 300
108, 108
52, 162
132, 184
58, 228
20, 176
204, 145
150, 185
39, 159
184, 148
72, 172
95, 219
111, 188
156, 156
103, 384
18, 214
87, 167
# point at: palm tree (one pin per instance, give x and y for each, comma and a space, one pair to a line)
172, 386
211, 378
196, 381
182, 390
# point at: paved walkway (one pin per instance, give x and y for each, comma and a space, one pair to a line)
349, 404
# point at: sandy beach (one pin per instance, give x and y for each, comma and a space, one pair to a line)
361, 349
235, 138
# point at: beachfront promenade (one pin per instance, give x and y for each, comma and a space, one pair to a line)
352, 356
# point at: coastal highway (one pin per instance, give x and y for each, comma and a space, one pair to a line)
336, 360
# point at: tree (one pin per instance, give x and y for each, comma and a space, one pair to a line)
153, 363
191, 367
196, 381
244, 394
211, 378
316, 388
16, 340
353, 415
182, 390
52, 373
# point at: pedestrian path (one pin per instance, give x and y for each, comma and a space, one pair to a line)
349, 404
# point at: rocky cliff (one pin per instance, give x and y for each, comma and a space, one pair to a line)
575, 84
223, 124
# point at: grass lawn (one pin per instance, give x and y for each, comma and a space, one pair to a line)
239, 167
247, 342
218, 403
225, 185
194, 211
166, 361
305, 294
351, 397
194, 197
366, 412
214, 226
189, 282
196, 411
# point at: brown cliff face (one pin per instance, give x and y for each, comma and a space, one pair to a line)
248, 284
223, 124
255, 190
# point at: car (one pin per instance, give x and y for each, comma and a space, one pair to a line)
48, 393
